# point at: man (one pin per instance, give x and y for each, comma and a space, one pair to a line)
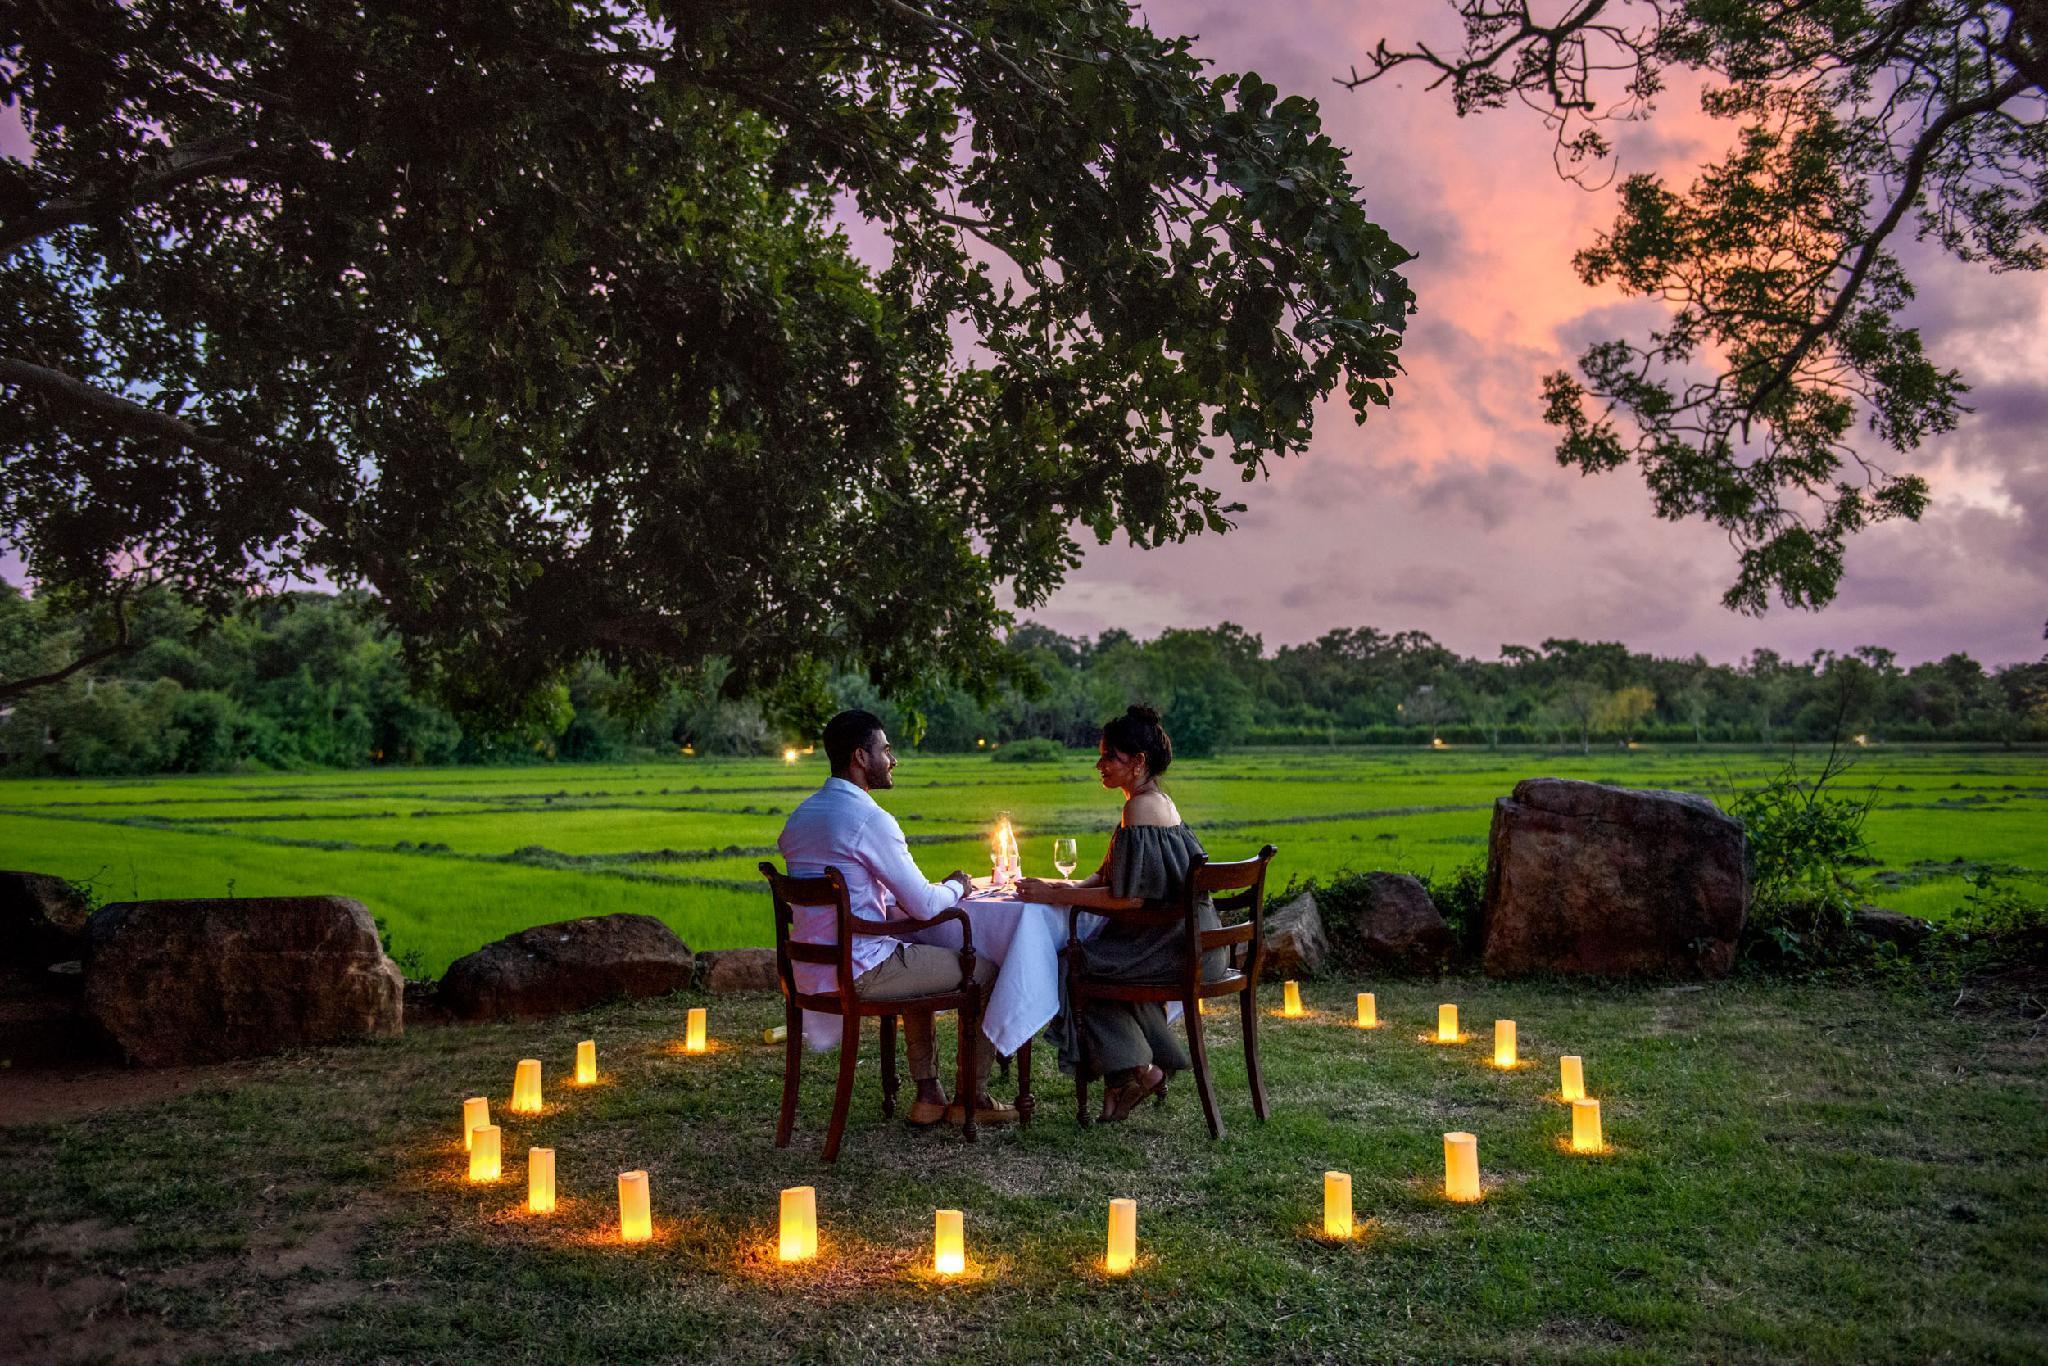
841, 826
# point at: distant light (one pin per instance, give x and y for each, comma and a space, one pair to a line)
789, 756
1863, 739
981, 744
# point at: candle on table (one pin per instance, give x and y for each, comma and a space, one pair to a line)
949, 1245
1123, 1236
636, 1219
540, 1180
586, 1062
1461, 1167
1337, 1204
1503, 1043
799, 1223
1368, 1011
1571, 1078
1447, 1024
526, 1087
476, 1112
1292, 994
1586, 1127
483, 1153
693, 1036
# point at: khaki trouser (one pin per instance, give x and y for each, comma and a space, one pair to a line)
926, 970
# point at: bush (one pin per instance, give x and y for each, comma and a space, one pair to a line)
1340, 897
1459, 896
1801, 839
1036, 750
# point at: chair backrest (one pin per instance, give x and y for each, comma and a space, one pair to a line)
788, 892
1247, 878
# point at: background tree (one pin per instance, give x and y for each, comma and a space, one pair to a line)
1623, 710
1857, 122
537, 319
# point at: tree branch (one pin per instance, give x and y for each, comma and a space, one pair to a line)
122, 645
128, 415
183, 166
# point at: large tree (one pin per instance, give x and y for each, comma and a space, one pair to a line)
1856, 124
540, 317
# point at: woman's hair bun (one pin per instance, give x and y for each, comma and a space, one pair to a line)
1138, 711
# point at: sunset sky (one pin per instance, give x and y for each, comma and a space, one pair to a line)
1449, 513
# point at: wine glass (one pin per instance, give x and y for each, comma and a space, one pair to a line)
1065, 856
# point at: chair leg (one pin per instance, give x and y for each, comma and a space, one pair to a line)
1084, 1061
1025, 1103
970, 1054
1003, 1066
792, 1062
1249, 1010
1198, 1051
842, 1097
888, 1066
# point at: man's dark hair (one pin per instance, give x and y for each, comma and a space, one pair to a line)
846, 733
1138, 731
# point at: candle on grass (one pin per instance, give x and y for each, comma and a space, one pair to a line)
1571, 1078
586, 1062
1123, 1237
693, 1034
636, 1219
799, 1223
1461, 1167
1337, 1204
540, 1180
1368, 1011
1504, 1043
1586, 1127
1291, 999
1446, 1024
483, 1153
949, 1244
476, 1112
526, 1087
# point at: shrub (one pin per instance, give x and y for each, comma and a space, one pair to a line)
1801, 839
1036, 750
1459, 895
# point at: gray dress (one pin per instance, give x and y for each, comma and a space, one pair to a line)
1150, 863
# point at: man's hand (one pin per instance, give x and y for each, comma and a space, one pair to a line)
964, 878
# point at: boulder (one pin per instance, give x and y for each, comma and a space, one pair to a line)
1296, 945
573, 965
1398, 925
1890, 927
730, 971
1585, 878
204, 981
43, 1020
42, 921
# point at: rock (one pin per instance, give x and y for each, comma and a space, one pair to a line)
204, 981
1890, 927
1296, 945
1585, 878
1398, 925
730, 971
423, 1004
42, 920
43, 1020
573, 965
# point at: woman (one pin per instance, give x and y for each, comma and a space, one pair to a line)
1130, 1042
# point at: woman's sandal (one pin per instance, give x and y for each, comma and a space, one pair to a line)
1119, 1101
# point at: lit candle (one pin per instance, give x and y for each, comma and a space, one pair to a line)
1123, 1236
1571, 1078
1586, 1127
483, 1153
476, 1112
526, 1087
949, 1244
1293, 999
540, 1180
1461, 1167
636, 1221
586, 1062
693, 1038
1368, 1011
1446, 1024
1503, 1043
1337, 1204
799, 1223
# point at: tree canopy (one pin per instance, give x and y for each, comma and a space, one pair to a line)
1858, 122
541, 319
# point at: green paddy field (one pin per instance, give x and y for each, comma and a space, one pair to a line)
453, 858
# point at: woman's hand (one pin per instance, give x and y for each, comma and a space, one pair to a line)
1041, 889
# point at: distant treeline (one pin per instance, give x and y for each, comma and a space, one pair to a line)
308, 680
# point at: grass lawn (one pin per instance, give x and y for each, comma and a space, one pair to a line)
1845, 1173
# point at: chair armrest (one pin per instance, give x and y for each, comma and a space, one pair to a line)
1131, 916
895, 928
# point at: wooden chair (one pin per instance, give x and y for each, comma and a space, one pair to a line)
830, 890
1246, 943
